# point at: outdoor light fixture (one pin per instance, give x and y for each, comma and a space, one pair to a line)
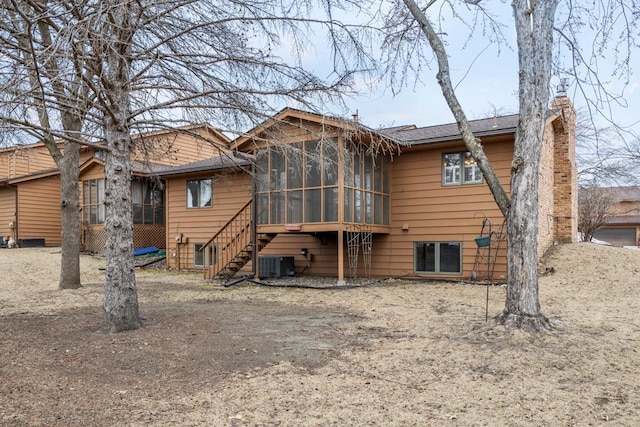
304, 252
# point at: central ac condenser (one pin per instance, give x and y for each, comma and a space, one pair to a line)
270, 266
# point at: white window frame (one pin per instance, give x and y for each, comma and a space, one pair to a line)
197, 204
458, 172
208, 256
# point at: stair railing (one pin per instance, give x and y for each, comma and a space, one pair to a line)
229, 241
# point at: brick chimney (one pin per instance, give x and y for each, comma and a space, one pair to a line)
565, 175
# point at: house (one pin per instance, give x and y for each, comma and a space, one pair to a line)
623, 226
332, 197
30, 187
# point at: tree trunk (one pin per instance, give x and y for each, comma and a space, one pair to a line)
69, 167
120, 294
534, 33
444, 80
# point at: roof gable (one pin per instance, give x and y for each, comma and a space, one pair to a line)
286, 117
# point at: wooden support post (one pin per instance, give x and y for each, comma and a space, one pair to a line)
340, 256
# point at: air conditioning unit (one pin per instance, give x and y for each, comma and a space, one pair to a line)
270, 266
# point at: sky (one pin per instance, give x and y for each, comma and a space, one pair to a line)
487, 84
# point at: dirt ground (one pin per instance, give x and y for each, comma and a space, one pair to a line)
391, 353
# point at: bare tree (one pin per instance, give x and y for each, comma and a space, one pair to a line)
151, 65
595, 208
43, 96
411, 25
605, 156
534, 35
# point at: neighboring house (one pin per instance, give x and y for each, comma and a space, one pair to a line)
30, 187
623, 226
335, 198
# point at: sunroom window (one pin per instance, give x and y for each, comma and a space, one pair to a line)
299, 184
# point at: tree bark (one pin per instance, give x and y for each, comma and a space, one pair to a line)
121, 296
69, 166
444, 80
68, 161
534, 24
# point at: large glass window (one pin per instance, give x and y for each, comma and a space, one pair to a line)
460, 168
366, 187
93, 210
292, 183
300, 183
437, 257
148, 202
199, 193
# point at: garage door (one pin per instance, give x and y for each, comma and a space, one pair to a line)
617, 236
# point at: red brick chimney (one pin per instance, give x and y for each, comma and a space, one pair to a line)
565, 175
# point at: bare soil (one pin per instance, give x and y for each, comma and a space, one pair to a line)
392, 353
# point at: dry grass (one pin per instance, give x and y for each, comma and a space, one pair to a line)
393, 353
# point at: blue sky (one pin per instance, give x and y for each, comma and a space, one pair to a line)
487, 83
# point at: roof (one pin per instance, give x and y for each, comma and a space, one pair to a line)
286, 113
30, 176
411, 135
624, 220
626, 194
212, 163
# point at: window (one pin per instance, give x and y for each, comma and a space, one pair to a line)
93, 211
366, 181
148, 202
199, 193
295, 184
460, 168
206, 257
437, 257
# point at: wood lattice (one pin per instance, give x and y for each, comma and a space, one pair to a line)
94, 238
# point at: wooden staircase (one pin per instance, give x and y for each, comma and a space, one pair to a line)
233, 245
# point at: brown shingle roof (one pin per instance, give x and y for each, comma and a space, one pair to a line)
425, 135
626, 194
212, 163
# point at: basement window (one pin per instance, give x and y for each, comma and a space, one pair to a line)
205, 257
460, 168
437, 257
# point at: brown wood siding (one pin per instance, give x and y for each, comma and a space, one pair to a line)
175, 148
39, 210
298, 131
7, 211
23, 161
432, 211
437, 213
230, 192
323, 252
95, 171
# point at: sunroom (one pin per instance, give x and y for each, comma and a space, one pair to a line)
320, 176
